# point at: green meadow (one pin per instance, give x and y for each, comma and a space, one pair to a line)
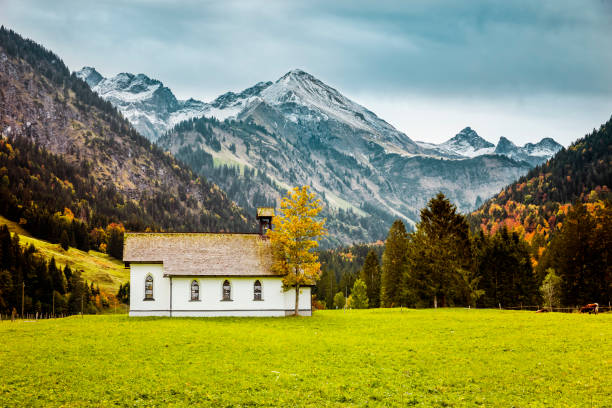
384, 357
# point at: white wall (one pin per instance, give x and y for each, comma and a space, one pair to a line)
211, 294
304, 301
275, 302
161, 290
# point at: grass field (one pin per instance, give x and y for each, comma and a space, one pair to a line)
451, 357
97, 267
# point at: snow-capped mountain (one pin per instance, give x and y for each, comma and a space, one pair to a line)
468, 143
533, 154
546, 147
302, 98
151, 107
298, 130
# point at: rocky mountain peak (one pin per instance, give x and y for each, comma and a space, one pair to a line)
151, 107
549, 142
468, 137
545, 147
90, 75
467, 143
505, 146
134, 84
296, 73
301, 87
230, 98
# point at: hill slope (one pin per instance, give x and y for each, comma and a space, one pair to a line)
97, 267
40, 101
537, 202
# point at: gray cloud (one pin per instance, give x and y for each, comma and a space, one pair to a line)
478, 53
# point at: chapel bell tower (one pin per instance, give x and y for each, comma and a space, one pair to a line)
265, 215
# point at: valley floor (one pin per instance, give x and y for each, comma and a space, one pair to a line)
444, 357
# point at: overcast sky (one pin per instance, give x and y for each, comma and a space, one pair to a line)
520, 69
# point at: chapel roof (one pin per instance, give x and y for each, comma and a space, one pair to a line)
202, 254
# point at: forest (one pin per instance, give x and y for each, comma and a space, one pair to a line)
29, 284
445, 263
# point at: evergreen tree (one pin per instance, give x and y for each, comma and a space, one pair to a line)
393, 264
68, 277
370, 274
327, 286
359, 296
503, 264
65, 240
59, 282
440, 263
123, 295
114, 233
580, 252
22, 268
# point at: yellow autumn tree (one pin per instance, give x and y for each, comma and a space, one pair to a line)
295, 237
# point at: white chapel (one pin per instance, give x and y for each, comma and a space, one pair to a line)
208, 274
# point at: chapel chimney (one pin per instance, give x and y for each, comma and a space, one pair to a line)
264, 216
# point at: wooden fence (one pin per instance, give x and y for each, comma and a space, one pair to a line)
33, 316
575, 309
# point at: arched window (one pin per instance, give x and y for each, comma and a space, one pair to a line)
257, 290
195, 290
149, 287
227, 291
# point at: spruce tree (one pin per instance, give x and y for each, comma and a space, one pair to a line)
440, 265
503, 264
327, 286
370, 274
579, 252
59, 283
64, 240
393, 264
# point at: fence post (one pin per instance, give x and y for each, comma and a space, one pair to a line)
22, 295
500, 306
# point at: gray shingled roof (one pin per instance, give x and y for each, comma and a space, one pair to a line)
202, 253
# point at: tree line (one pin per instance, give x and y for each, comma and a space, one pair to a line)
30, 282
445, 263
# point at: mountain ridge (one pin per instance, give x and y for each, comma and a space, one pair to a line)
142, 185
467, 143
298, 130
234, 106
